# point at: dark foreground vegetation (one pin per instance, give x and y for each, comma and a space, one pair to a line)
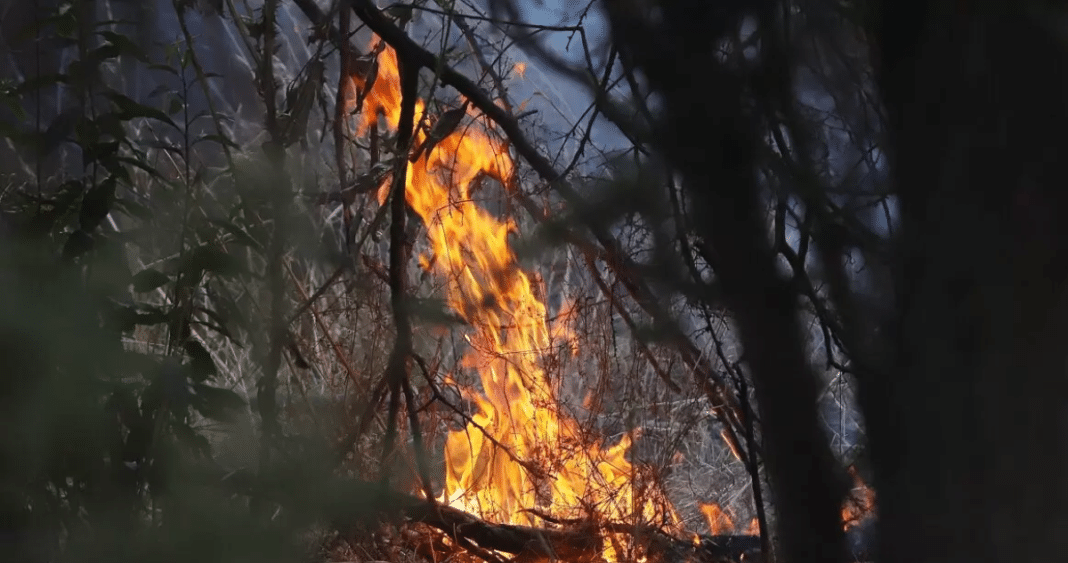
867, 189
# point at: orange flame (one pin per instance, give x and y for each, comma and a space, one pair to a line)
520, 452
859, 503
754, 527
718, 520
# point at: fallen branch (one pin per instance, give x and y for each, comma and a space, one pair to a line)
346, 503
577, 541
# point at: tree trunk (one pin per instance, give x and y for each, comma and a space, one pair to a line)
970, 434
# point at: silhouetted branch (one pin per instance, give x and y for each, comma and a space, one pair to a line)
348, 501
723, 404
397, 370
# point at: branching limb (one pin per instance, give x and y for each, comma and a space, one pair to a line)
397, 370
411, 53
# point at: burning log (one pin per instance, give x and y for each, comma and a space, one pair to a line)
347, 502
574, 541
580, 541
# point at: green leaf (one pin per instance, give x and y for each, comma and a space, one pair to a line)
133, 209
216, 403
221, 329
124, 45
127, 318
147, 280
58, 131
130, 109
11, 101
238, 233
103, 53
124, 319
97, 151
164, 68
118, 172
175, 106
97, 204
110, 123
174, 385
212, 259
138, 163
215, 138
193, 440
163, 146
33, 84
201, 363
66, 22
54, 210
294, 351
154, 316
124, 404
199, 114
79, 242
230, 311
19, 137
219, 325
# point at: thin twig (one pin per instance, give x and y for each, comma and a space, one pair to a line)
752, 467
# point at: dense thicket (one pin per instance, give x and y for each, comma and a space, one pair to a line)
878, 182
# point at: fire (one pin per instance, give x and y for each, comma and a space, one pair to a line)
859, 503
754, 528
520, 452
718, 520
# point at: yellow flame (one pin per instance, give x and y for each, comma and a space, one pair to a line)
520, 452
754, 527
718, 520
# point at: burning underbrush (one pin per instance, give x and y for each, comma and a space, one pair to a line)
527, 473
519, 460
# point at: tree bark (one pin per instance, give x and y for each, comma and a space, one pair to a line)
969, 434
709, 136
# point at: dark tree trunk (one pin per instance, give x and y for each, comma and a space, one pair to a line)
969, 434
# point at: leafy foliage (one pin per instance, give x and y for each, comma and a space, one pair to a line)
104, 453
